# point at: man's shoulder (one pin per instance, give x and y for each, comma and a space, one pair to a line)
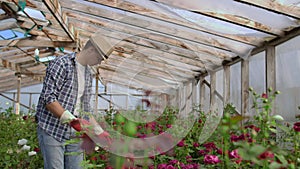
67, 58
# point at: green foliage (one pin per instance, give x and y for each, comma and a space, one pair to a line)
14, 128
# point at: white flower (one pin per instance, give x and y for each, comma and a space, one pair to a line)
22, 142
31, 153
9, 151
25, 147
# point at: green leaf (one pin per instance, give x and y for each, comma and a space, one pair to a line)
278, 117
272, 130
274, 165
281, 159
7, 157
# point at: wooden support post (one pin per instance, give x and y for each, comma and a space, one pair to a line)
271, 71
189, 98
212, 101
202, 91
96, 91
270, 68
194, 92
244, 86
30, 100
226, 85
18, 94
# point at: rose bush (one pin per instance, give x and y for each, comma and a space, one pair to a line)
237, 142
264, 140
18, 139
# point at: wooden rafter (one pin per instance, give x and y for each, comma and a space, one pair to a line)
37, 43
149, 24
135, 8
276, 6
238, 20
55, 8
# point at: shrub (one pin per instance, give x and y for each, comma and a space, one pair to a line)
18, 139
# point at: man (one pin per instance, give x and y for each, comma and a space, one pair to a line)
68, 83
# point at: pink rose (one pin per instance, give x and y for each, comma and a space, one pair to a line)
211, 159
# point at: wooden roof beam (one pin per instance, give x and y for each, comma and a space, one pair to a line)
179, 68
37, 43
144, 68
160, 41
149, 25
135, 8
133, 83
55, 8
275, 6
241, 21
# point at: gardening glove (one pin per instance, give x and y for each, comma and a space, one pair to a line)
93, 133
67, 117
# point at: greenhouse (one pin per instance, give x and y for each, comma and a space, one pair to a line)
174, 84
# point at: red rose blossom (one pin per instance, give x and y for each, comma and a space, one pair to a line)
211, 159
265, 155
297, 126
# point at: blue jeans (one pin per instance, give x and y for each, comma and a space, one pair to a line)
54, 152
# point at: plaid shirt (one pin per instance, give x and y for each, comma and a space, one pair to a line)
60, 84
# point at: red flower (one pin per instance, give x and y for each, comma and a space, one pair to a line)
196, 144
181, 143
103, 157
25, 117
174, 162
219, 151
169, 125
93, 158
234, 138
265, 155
264, 95
211, 159
170, 167
297, 126
210, 145
253, 127
189, 159
36, 149
234, 154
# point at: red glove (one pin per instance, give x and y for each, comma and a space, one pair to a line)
88, 144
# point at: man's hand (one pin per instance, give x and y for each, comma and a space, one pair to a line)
66, 117
91, 134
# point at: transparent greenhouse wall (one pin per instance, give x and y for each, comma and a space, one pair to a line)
287, 79
257, 77
235, 86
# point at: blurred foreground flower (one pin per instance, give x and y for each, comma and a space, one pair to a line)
22, 142
31, 153
25, 147
297, 126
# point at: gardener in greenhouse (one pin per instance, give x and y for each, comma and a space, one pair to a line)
67, 84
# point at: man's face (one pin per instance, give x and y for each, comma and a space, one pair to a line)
91, 55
